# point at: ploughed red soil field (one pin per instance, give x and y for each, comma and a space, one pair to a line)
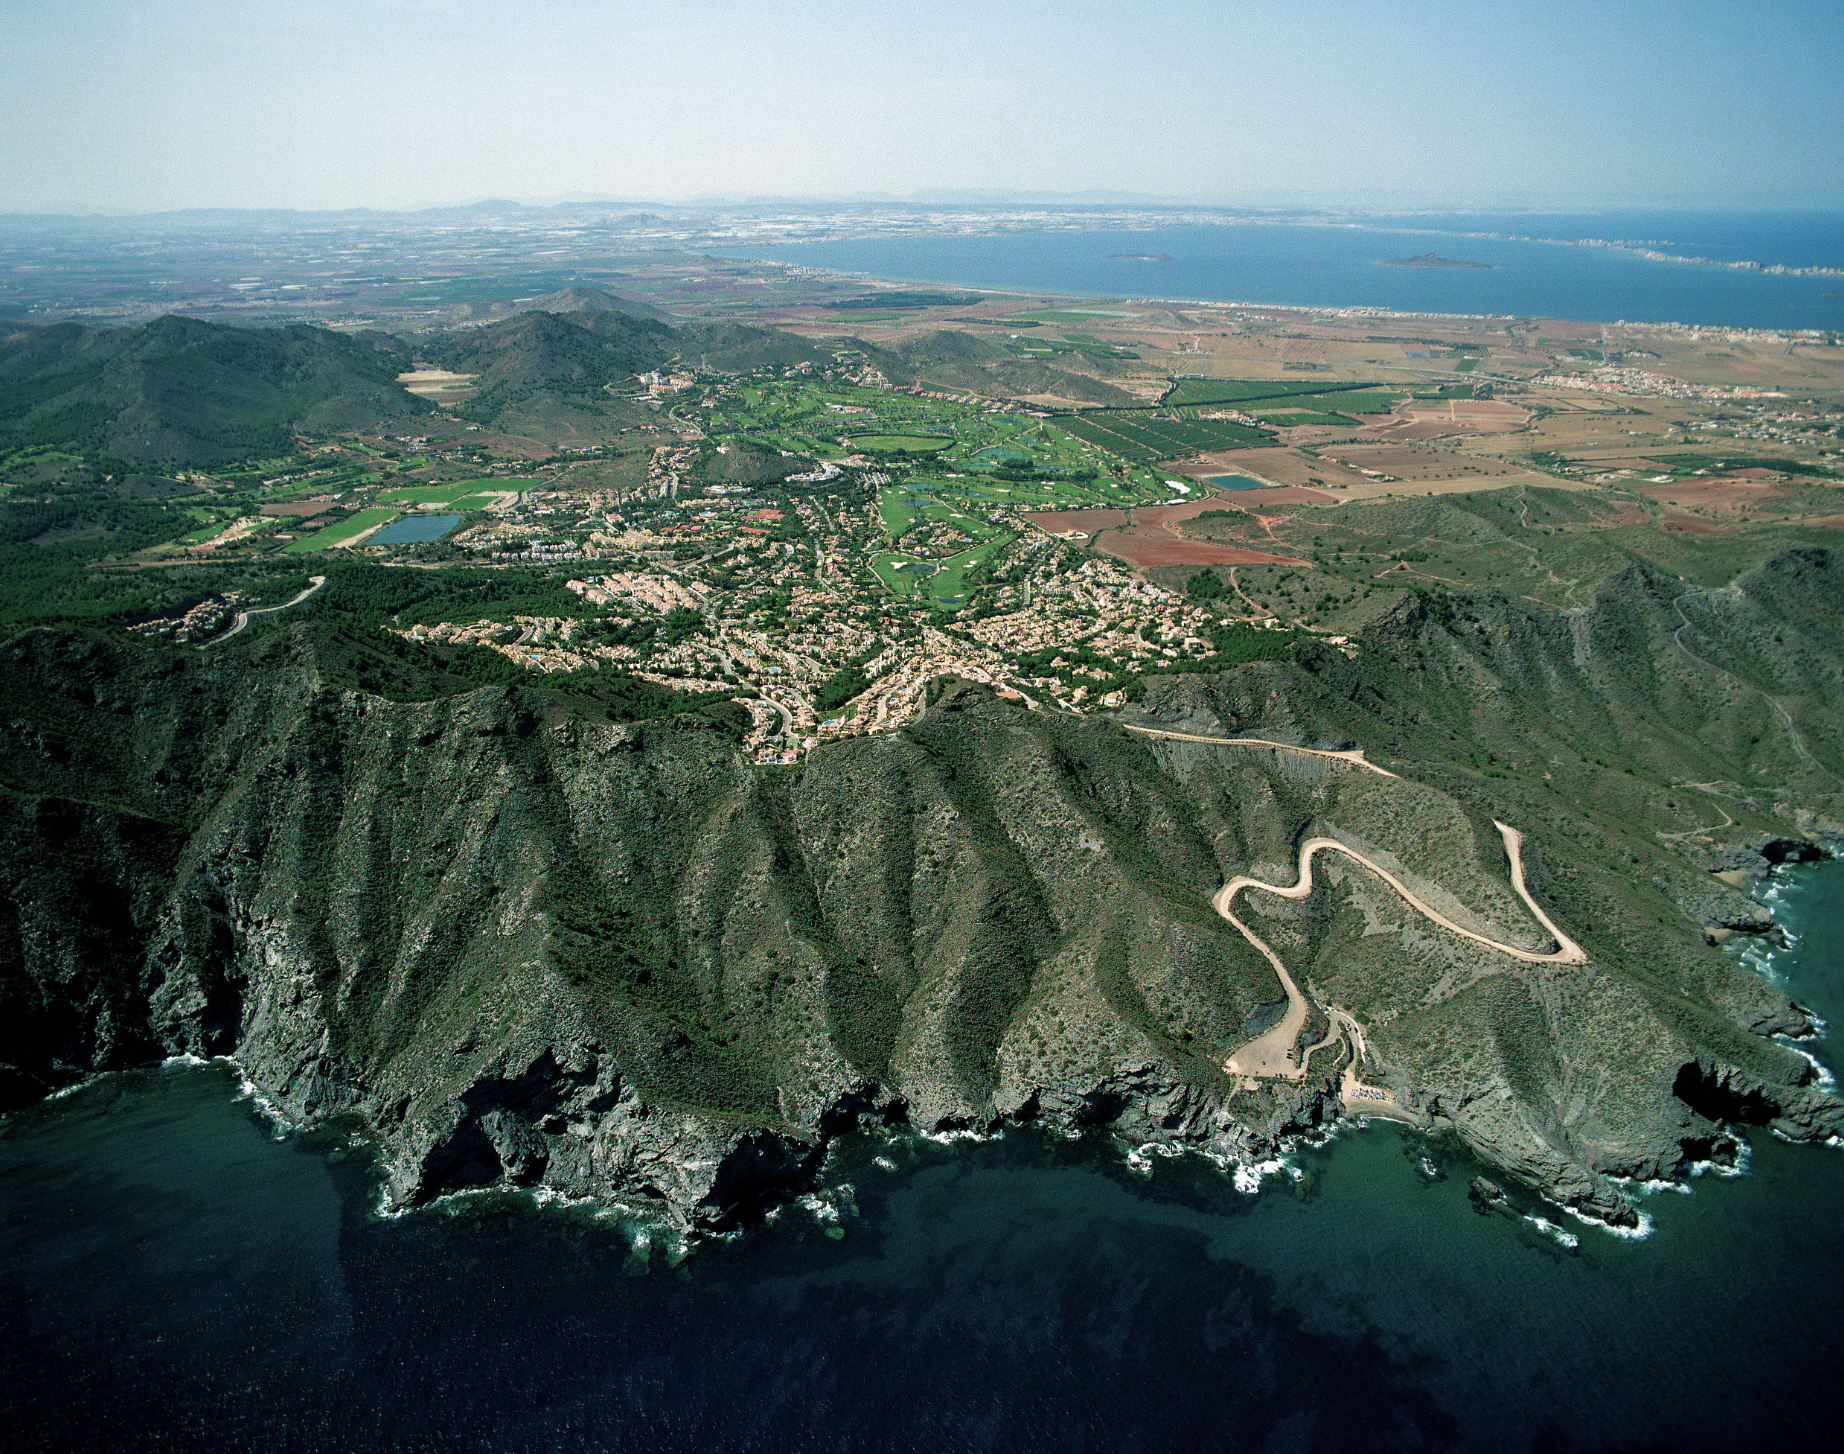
1156, 517
1145, 548
1087, 521
1153, 538
1245, 500
1257, 502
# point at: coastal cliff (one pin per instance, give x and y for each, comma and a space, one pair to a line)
527, 944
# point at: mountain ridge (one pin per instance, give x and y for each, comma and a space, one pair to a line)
525, 944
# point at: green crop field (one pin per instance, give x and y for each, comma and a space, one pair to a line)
1235, 391
343, 531
474, 502
1292, 418
1466, 365
1191, 392
1352, 402
1145, 438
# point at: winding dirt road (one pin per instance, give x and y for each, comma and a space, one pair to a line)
1272, 1055
1355, 756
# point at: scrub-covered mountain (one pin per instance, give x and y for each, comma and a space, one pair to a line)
564, 300
526, 942
182, 391
563, 375
551, 373
964, 361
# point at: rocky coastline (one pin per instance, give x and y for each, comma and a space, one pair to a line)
526, 945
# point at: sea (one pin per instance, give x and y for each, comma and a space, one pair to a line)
1535, 269
178, 1271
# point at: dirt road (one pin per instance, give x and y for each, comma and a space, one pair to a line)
1273, 1054
1355, 756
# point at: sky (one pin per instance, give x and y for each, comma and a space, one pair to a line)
152, 105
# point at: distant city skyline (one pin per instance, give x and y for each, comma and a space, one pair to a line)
410, 104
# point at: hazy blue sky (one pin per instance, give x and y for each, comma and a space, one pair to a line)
151, 104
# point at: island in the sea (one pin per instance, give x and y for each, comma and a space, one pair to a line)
1432, 260
1142, 257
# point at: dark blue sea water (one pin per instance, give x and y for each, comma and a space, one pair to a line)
175, 1274
1339, 265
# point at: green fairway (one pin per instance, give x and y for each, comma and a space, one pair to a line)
342, 532
901, 573
948, 585
895, 513
901, 443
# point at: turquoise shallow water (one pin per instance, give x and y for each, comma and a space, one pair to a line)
175, 1273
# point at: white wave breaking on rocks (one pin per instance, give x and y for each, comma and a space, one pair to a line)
1552, 1231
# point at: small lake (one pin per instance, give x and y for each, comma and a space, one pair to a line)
415, 530
1236, 482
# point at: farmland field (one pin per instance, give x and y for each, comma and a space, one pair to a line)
1289, 419
1367, 401
1144, 438
1239, 391
1068, 315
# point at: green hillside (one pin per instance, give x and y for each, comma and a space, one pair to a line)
183, 391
